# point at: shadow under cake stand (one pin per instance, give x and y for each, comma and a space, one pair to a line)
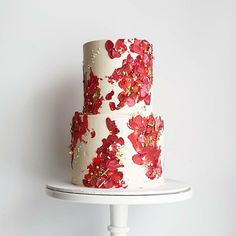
119, 199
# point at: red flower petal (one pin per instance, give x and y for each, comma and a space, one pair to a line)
120, 46
115, 54
97, 103
147, 100
112, 137
112, 165
112, 106
159, 170
117, 176
139, 69
136, 122
160, 123
112, 126
122, 96
141, 47
109, 95
93, 133
85, 121
144, 90
135, 46
98, 182
86, 183
121, 141
137, 159
97, 160
118, 50
133, 137
109, 45
108, 184
151, 174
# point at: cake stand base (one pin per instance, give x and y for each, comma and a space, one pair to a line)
119, 199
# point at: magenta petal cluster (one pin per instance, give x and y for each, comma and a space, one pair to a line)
144, 138
135, 76
104, 171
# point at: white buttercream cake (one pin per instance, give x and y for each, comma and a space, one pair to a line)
116, 142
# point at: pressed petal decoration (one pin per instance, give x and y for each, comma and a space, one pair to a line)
92, 94
109, 95
135, 76
117, 50
144, 138
104, 171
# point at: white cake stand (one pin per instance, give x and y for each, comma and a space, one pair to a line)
119, 199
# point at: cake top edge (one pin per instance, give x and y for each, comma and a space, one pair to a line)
125, 115
99, 41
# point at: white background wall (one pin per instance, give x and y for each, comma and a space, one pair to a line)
41, 86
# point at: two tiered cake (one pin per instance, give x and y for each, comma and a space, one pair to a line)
116, 142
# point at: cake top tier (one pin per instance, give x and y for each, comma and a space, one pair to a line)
118, 76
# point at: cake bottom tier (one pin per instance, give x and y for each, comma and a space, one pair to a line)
117, 151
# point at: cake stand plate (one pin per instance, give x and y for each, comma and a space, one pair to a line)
119, 199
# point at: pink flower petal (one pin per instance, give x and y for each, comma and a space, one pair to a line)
147, 100
130, 101
137, 159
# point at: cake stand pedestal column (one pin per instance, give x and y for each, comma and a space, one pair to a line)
118, 219
119, 199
